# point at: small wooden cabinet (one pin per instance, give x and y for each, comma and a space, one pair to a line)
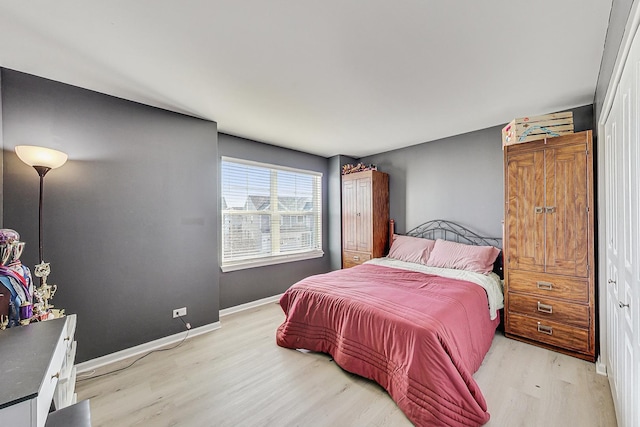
365, 216
549, 246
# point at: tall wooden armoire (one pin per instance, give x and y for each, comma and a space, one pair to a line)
365, 216
549, 244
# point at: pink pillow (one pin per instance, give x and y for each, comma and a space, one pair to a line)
411, 249
479, 259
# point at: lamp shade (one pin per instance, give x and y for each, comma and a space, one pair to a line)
41, 156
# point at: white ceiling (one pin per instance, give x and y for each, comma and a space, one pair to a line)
324, 76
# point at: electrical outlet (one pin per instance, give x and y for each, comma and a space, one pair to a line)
177, 312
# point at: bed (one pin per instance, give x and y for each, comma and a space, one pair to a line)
418, 322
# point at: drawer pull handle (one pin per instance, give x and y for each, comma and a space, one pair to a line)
539, 209
611, 282
545, 285
545, 329
57, 375
622, 305
356, 258
550, 209
545, 308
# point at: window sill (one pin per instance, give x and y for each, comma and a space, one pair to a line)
281, 259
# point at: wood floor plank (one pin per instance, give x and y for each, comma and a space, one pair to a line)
238, 376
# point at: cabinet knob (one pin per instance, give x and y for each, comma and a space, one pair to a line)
57, 375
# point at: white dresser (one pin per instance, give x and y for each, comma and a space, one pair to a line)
36, 367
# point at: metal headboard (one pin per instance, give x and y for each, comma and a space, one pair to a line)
447, 230
453, 232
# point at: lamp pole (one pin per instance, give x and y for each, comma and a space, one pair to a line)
42, 171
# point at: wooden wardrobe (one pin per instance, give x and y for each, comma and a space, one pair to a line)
365, 216
549, 244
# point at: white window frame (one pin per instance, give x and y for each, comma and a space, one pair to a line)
277, 258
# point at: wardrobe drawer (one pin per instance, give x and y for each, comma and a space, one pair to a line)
550, 285
350, 259
549, 332
546, 308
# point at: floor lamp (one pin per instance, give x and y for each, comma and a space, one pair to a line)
43, 160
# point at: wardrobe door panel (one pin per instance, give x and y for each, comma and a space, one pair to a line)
567, 222
363, 216
525, 211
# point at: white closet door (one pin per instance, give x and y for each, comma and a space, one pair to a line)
622, 186
611, 177
632, 294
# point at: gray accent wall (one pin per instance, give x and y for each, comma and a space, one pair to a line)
243, 286
620, 10
1, 159
458, 178
335, 208
130, 221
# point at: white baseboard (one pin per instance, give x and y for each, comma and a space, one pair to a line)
247, 306
99, 362
601, 368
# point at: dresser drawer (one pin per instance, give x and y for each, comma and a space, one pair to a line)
70, 329
550, 309
65, 391
50, 380
350, 258
549, 285
548, 332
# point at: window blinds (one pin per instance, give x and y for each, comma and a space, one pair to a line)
269, 213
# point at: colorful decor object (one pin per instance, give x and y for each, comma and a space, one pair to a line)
534, 128
8, 236
16, 279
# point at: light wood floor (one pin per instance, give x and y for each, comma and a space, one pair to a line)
238, 376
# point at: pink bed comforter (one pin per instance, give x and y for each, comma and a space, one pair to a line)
419, 336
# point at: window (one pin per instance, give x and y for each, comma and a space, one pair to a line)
270, 214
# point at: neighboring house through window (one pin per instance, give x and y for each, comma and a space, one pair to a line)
270, 214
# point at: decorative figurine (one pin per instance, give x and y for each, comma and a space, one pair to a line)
44, 292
